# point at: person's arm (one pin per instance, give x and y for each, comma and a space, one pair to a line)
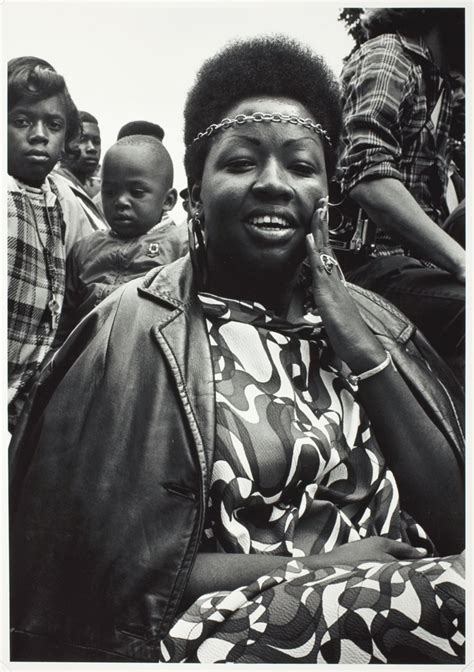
72, 299
227, 571
391, 206
417, 452
380, 86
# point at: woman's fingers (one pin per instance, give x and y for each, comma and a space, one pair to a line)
319, 251
402, 551
396, 549
319, 227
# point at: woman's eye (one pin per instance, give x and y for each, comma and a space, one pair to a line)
303, 168
239, 165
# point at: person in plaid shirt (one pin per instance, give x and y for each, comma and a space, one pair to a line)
394, 163
44, 218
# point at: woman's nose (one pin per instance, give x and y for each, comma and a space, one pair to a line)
39, 132
273, 181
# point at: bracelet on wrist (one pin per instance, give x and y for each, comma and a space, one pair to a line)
355, 379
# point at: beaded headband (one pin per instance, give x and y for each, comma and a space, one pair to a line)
264, 116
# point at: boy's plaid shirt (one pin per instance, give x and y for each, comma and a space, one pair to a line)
390, 88
30, 285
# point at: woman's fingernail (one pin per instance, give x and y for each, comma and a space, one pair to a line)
421, 550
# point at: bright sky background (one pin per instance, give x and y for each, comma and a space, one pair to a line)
136, 60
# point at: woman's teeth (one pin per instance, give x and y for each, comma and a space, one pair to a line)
270, 222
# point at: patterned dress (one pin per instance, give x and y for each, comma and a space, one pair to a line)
297, 471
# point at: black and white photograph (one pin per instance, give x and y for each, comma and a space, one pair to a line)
235, 312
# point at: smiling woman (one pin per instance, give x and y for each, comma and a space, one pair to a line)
252, 496
259, 185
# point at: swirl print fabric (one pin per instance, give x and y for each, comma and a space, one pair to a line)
297, 471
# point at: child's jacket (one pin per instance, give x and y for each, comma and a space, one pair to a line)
102, 262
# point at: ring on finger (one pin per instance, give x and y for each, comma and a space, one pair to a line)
328, 262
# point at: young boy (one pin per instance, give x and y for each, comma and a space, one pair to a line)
79, 164
44, 218
137, 188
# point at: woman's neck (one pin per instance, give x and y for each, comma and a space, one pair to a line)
274, 291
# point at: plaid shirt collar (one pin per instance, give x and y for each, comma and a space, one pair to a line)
417, 46
14, 185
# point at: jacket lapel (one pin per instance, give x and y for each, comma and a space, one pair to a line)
182, 336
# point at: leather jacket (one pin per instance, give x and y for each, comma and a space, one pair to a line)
111, 464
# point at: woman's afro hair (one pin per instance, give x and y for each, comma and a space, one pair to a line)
32, 79
263, 66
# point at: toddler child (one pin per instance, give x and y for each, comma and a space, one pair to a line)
44, 217
137, 188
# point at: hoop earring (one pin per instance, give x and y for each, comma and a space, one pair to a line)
197, 249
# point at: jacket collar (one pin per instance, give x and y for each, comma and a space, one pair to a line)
172, 284
416, 45
175, 286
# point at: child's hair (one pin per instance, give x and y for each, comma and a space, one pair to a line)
158, 148
140, 127
262, 66
87, 117
33, 79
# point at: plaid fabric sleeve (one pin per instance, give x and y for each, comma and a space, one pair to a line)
376, 81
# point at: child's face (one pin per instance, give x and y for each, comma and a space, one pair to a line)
36, 132
134, 190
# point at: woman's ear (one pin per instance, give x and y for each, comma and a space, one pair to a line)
170, 200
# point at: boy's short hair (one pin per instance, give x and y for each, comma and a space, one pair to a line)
87, 117
141, 128
150, 141
260, 66
33, 79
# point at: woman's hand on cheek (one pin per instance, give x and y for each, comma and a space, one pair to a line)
350, 337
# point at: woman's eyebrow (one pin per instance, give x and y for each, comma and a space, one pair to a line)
241, 136
291, 141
